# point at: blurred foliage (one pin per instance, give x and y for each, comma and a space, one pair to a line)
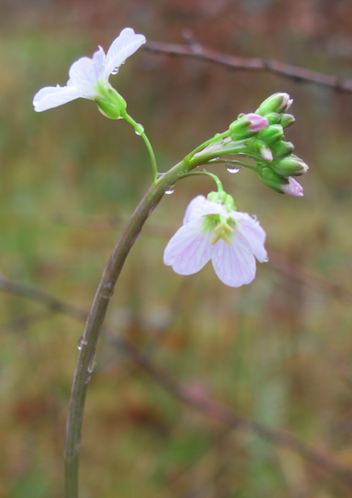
273, 350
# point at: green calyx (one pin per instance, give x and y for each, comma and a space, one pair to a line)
289, 166
223, 198
281, 149
109, 101
271, 134
278, 103
271, 179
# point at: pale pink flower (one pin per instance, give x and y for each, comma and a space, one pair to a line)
229, 238
293, 187
89, 76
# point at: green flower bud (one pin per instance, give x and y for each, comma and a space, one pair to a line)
290, 166
278, 102
271, 134
282, 149
110, 103
287, 120
272, 179
273, 118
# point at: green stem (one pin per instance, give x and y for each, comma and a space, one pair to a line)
97, 313
207, 173
234, 161
140, 130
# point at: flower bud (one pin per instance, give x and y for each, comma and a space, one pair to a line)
273, 118
262, 148
247, 126
271, 134
110, 103
287, 120
292, 188
290, 166
278, 102
272, 179
282, 149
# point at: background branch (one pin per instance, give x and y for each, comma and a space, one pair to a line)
197, 51
201, 403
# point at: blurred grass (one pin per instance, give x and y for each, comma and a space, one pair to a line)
266, 350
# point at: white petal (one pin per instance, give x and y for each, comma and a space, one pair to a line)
121, 48
234, 264
254, 234
53, 96
200, 206
189, 249
85, 72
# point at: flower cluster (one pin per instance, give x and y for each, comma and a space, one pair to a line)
89, 78
277, 164
214, 230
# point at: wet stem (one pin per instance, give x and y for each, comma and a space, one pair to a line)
101, 301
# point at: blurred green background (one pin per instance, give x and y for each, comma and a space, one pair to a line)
278, 350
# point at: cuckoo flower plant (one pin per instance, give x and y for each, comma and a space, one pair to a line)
89, 78
216, 231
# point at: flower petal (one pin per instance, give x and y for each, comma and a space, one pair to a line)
189, 249
53, 96
200, 206
234, 264
253, 233
292, 188
121, 48
85, 73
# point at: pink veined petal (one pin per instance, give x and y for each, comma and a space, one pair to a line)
85, 72
253, 233
53, 96
200, 206
189, 249
121, 48
292, 188
234, 264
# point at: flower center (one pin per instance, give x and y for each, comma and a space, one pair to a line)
222, 231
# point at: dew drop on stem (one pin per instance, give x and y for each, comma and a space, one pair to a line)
233, 169
170, 189
139, 130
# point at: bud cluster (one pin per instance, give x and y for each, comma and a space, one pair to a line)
278, 163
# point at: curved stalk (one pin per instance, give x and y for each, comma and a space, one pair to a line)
140, 131
101, 301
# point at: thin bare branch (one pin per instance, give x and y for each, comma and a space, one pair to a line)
203, 404
200, 52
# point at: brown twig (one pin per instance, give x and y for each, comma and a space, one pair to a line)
203, 404
198, 51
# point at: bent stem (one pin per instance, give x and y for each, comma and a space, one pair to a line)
140, 131
97, 313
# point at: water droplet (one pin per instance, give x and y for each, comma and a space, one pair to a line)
254, 217
140, 130
81, 342
170, 189
115, 71
233, 169
213, 160
265, 260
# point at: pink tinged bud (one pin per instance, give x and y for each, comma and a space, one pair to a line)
278, 102
292, 188
266, 153
256, 122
